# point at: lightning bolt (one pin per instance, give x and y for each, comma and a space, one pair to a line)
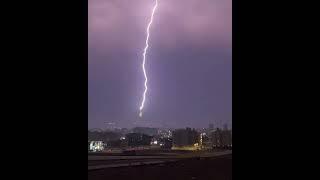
144, 60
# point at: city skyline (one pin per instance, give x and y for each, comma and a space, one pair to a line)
147, 123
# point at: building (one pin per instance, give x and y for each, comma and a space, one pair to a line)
225, 126
205, 141
145, 130
104, 136
221, 138
227, 138
138, 139
165, 143
216, 138
95, 146
211, 127
165, 133
185, 139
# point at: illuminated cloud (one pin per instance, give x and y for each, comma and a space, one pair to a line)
121, 23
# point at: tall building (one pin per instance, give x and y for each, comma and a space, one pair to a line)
225, 126
205, 141
227, 138
138, 139
216, 138
221, 138
211, 127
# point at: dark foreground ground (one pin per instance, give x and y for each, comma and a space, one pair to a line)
218, 168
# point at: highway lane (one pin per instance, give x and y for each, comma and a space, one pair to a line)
217, 168
98, 162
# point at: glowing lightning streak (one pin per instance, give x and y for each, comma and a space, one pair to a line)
144, 60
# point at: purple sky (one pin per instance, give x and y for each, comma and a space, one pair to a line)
189, 63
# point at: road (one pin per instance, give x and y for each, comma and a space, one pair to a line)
99, 162
218, 167
102, 162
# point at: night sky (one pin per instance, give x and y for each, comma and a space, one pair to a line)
189, 63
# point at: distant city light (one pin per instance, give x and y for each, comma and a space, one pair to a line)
155, 142
96, 146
